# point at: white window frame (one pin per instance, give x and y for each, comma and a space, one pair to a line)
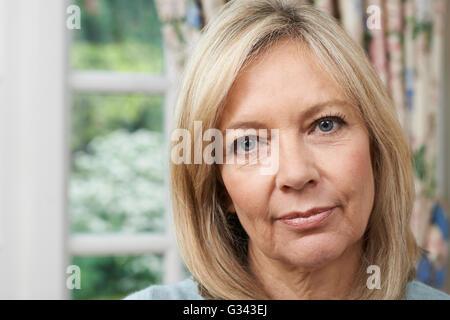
139, 243
35, 86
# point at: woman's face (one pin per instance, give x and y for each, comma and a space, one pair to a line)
324, 161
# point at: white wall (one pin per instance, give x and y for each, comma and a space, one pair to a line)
32, 149
2, 148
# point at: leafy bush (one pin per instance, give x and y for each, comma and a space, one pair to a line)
116, 277
118, 185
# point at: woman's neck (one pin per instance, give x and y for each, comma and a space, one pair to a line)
286, 282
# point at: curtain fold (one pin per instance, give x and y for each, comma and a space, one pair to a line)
352, 18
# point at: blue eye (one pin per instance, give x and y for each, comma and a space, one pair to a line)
246, 143
326, 125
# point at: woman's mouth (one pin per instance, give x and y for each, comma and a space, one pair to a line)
304, 221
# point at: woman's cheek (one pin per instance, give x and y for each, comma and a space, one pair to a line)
249, 190
353, 177
346, 161
356, 163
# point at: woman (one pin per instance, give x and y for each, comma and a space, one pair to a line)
332, 221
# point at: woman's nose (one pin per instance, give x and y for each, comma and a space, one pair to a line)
297, 167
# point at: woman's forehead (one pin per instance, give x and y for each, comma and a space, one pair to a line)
283, 76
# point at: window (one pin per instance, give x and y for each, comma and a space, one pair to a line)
122, 93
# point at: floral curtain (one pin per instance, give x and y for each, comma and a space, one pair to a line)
404, 41
183, 21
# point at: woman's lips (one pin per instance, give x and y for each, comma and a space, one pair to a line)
310, 221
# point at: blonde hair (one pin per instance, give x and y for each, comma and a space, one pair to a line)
212, 243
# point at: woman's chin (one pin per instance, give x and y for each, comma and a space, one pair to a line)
313, 255
313, 261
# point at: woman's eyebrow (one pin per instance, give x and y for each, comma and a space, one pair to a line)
247, 125
307, 113
318, 107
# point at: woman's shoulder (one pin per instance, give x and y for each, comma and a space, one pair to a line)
420, 291
183, 290
187, 290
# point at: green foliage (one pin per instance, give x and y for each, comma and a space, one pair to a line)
118, 35
117, 20
116, 277
117, 180
129, 56
424, 171
95, 115
119, 184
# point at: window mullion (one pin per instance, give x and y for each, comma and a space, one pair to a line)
118, 244
173, 270
117, 82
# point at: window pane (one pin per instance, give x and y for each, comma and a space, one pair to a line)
118, 35
116, 277
118, 163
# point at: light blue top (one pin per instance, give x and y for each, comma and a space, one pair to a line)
187, 290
